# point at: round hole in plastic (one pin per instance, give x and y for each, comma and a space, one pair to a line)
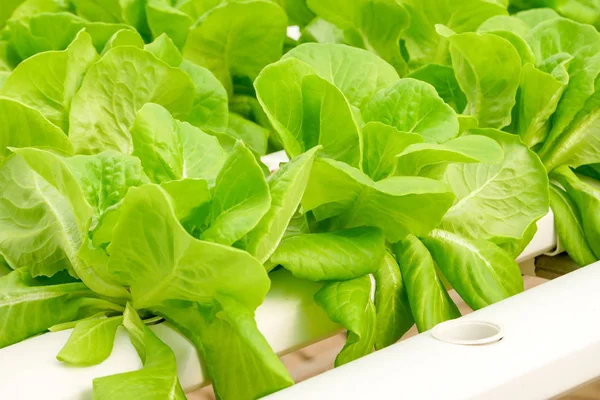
468, 333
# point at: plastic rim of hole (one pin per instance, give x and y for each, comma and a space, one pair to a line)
467, 333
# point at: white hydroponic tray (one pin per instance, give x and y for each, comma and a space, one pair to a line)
550, 345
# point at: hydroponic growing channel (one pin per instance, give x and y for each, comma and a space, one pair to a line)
422, 145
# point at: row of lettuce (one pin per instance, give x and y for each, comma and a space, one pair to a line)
426, 139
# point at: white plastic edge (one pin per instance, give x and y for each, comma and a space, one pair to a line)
551, 345
289, 319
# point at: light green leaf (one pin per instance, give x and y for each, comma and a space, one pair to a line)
321, 31
253, 135
585, 193
157, 143
394, 317
423, 44
536, 16
29, 306
163, 18
23, 126
537, 99
55, 31
339, 255
561, 36
466, 123
239, 360
428, 298
203, 155
499, 201
396, 205
505, 23
191, 202
442, 78
237, 39
157, 380
569, 227
579, 144
382, 143
329, 121
91, 341
239, 200
425, 159
376, 25
29, 8
165, 50
43, 213
48, 81
349, 304
71, 324
480, 271
197, 8
210, 108
56, 214
130, 12
287, 187
297, 11
357, 73
307, 110
413, 106
124, 37
169, 149
106, 177
114, 89
153, 255
8, 7
489, 81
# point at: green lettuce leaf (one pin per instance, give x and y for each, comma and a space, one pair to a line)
428, 298
338, 255
170, 150
287, 187
569, 227
55, 31
585, 193
373, 25
114, 89
396, 205
481, 272
413, 106
424, 159
23, 126
498, 202
174, 265
91, 341
237, 39
29, 306
382, 143
393, 313
48, 81
240, 198
443, 79
490, 86
423, 44
349, 304
157, 380
238, 359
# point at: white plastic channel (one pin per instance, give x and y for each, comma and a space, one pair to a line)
550, 345
289, 319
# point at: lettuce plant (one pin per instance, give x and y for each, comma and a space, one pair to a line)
132, 190
539, 86
208, 33
137, 212
394, 158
